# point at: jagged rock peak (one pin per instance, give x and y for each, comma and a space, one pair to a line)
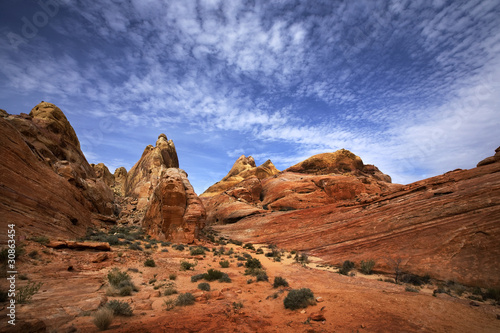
102, 171
145, 174
242, 169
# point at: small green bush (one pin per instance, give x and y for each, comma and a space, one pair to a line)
33, 254
249, 246
119, 308
366, 267
224, 263
225, 278
185, 299
172, 277
259, 251
253, 263
170, 304
24, 294
41, 239
150, 263
135, 246
197, 251
411, 289
103, 318
261, 276
204, 286
116, 277
197, 277
279, 281
212, 275
170, 291
186, 266
347, 266
299, 298
179, 247
3, 295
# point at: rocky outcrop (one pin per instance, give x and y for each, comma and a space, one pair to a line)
102, 172
243, 168
175, 212
32, 196
445, 226
331, 178
50, 136
145, 174
341, 162
492, 159
120, 177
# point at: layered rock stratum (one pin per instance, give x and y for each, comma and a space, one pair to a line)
46, 184
445, 226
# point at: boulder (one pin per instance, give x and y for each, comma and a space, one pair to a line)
102, 172
492, 159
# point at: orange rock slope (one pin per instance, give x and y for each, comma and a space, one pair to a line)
47, 186
445, 226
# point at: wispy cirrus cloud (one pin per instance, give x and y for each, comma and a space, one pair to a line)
409, 86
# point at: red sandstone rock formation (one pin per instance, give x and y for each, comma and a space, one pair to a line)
103, 173
446, 226
322, 179
144, 175
243, 168
174, 212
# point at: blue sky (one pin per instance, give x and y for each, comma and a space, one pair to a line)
410, 86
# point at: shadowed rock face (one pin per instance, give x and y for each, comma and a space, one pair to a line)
145, 174
243, 168
446, 226
174, 211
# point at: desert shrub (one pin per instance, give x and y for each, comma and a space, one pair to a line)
301, 257
135, 270
259, 251
492, 293
197, 277
33, 254
103, 318
121, 281
346, 267
119, 308
236, 242
212, 275
412, 279
170, 304
249, 281
253, 263
170, 291
3, 295
135, 246
249, 246
299, 298
179, 247
254, 271
204, 286
147, 246
24, 294
185, 299
165, 243
225, 278
149, 263
172, 277
152, 281
279, 281
241, 258
186, 265
116, 277
261, 276
40, 239
224, 263
366, 267
412, 290
197, 251
23, 277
